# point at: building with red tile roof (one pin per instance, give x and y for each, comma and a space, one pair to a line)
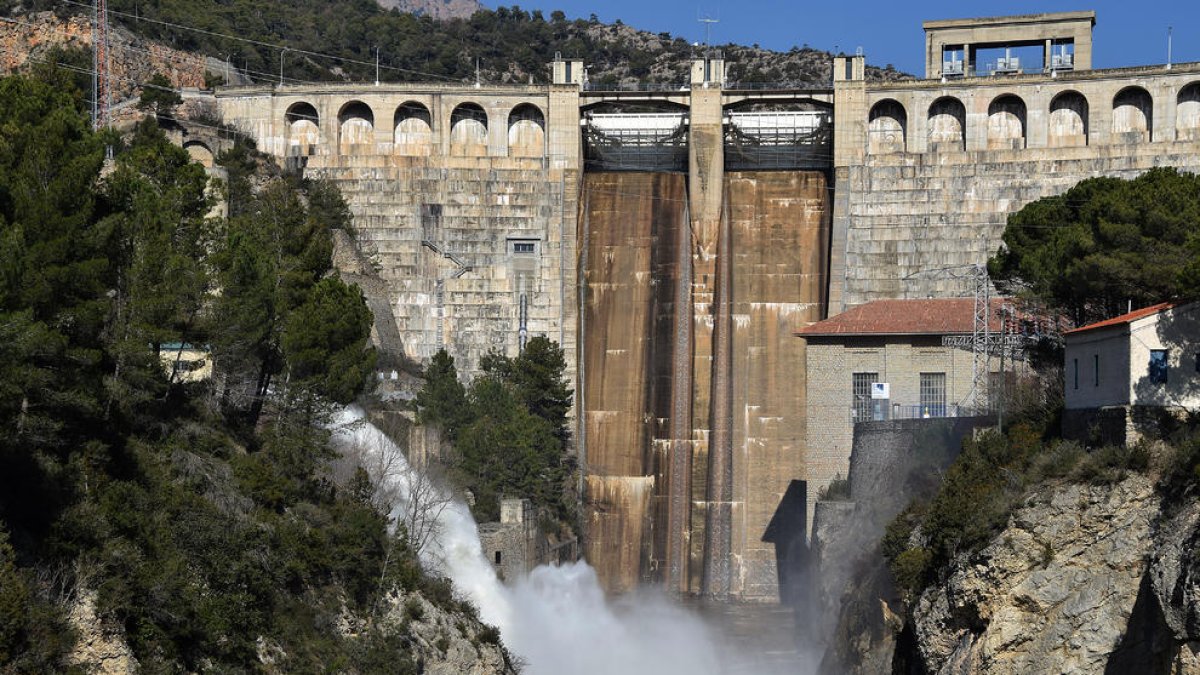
1123, 372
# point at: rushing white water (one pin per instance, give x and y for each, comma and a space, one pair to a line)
557, 619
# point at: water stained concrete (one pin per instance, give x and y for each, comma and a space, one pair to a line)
692, 378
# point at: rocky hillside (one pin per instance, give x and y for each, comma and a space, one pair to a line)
199, 41
627, 55
1093, 570
437, 9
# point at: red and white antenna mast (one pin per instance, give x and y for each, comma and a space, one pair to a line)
101, 92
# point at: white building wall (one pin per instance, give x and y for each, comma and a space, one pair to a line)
1124, 359
1178, 331
1107, 347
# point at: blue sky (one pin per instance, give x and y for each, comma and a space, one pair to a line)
1127, 33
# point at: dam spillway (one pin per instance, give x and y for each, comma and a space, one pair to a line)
670, 496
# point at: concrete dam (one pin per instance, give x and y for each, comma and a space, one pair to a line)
673, 239
693, 393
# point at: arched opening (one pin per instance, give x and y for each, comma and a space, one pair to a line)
1006, 123
526, 131
947, 122
304, 129
356, 124
469, 131
413, 129
887, 127
199, 152
1187, 113
1133, 116
1068, 120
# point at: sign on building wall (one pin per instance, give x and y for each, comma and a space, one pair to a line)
880, 390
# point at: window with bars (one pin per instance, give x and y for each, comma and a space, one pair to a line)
933, 394
862, 395
524, 247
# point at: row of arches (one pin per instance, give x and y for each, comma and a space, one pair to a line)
411, 131
1008, 121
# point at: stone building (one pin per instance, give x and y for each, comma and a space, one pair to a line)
510, 545
884, 361
1123, 372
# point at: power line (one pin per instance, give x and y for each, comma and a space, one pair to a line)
270, 45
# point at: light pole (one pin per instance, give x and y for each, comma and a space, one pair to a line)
281, 55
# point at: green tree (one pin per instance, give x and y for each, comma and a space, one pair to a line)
508, 451
442, 400
158, 241
159, 97
1105, 243
274, 252
325, 342
537, 376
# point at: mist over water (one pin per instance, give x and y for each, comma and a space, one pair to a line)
558, 619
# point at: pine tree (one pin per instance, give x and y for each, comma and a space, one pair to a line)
442, 401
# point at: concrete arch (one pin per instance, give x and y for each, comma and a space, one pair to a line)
1068, 120
887, 127
412, 128
526, 131
200, 152
947, 124
1133, 116
1187, 113
1006, 123
469, 131
303, 128
356, 124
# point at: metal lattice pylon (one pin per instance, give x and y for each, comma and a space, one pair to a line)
981, 338
981, 342
101, 91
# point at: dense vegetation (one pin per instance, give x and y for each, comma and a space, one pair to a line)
508, 430
201, 515
1106, 243
508, 43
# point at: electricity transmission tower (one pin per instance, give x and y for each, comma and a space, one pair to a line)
982, 342
101, 89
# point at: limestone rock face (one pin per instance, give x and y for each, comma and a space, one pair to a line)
99, 648
437, 9
1055, 591
1174, 595
445, 643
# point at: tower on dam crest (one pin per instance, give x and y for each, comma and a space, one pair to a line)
674, 239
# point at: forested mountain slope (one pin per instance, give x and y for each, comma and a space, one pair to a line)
186, 524
336, 40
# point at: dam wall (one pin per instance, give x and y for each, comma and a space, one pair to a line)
463, 204
780, 238
675, 290
928, 171
630, 225
640, 372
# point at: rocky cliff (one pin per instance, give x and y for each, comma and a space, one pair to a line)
438, 9
1054, 592
1084, 578
33, 38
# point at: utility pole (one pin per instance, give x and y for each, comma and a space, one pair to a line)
281, 55
708, 22
376, 65
1169, 29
